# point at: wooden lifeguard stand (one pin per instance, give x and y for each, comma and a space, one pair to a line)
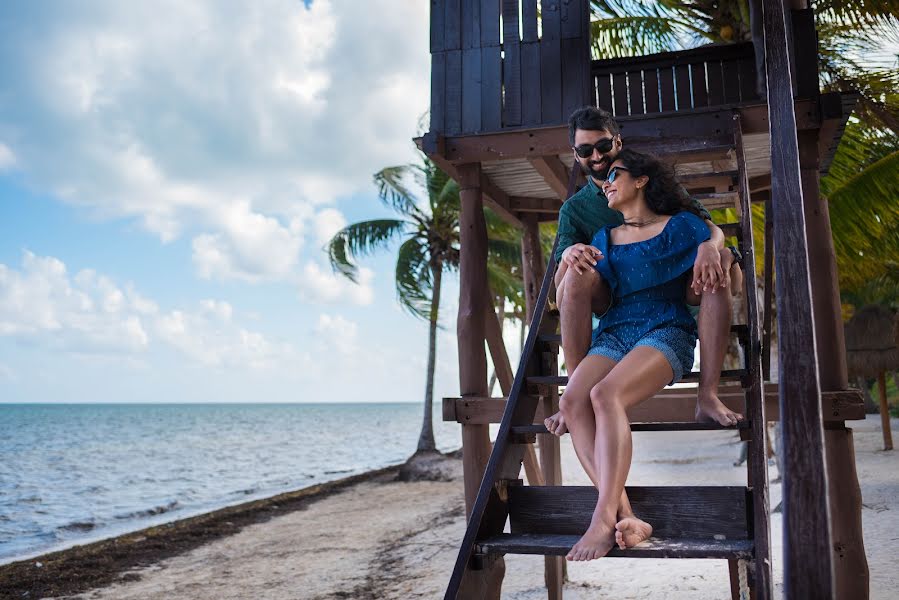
505, 76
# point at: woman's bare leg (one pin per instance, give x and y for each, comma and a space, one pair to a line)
575, 406
640, 375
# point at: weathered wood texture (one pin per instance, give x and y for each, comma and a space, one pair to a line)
674, 511
471, 332
559, 545
532, 265
486, 516
849, 560
755, 402
503, 369
808, 568
676, 81
675, 405
487, 79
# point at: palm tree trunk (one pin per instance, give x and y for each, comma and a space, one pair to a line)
426, 438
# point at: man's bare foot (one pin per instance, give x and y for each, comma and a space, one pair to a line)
710, 409
630, 531
595, 543
556, 424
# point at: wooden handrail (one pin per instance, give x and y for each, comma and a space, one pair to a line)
509, 415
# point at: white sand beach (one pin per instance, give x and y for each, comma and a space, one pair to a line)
392, 540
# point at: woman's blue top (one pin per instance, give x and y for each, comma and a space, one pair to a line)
648, 279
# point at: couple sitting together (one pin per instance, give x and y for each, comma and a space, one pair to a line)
634, 249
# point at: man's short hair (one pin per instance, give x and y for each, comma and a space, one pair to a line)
591, 118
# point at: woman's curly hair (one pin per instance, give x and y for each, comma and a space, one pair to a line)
664, 195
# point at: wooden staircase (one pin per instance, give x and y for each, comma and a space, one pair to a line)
710, 522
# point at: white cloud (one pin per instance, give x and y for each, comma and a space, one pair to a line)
7, 158
328, 222
337, 333
89, 314
250, 247
325, 287
225, 122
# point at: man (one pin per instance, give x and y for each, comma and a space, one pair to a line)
596, 141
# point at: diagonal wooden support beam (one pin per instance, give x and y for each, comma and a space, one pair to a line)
505, 376
554, 173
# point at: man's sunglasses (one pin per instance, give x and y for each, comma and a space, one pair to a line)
613, 173
586, 150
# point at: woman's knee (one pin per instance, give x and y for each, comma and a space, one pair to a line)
604, 398
578, 287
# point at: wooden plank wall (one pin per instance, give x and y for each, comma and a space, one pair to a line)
491, 68
709, 76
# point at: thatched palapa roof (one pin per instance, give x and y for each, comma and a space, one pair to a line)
872, 341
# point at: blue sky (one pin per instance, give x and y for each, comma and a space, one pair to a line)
169, 172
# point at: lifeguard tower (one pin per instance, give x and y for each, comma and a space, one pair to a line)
743, 123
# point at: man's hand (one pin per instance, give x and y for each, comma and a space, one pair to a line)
581, 257
708, 273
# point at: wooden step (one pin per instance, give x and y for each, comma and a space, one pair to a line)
694, 512
644, 426
560, 380
735, 229
671, 405
716, 200
559, 545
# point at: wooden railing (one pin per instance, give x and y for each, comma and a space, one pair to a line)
710, 76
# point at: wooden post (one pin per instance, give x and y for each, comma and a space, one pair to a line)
470, 328
885, 412
550, 452
532, 265
808, 569
848, 547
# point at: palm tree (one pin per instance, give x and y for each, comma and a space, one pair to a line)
430, 246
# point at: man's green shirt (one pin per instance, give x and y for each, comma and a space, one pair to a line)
587, 212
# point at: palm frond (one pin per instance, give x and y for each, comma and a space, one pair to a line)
617, 37
865, 221
360, 239
858, 13
413, 277
392, 184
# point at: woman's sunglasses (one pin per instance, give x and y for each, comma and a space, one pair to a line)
586, 150
613, 173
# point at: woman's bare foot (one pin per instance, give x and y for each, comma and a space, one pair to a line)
556, 424
710, 409
595, 543
630, 531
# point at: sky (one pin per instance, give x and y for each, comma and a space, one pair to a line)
169, 174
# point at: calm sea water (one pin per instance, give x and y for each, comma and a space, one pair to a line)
75, 473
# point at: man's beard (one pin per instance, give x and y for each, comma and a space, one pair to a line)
596, 169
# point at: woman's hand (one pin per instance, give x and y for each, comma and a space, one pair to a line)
581, 257
708, 273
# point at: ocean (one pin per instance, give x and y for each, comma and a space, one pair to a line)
75, 473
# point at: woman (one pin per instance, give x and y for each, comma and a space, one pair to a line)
644, 342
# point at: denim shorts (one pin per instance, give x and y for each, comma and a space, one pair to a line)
674, 343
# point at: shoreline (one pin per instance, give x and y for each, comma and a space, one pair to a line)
83, 567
